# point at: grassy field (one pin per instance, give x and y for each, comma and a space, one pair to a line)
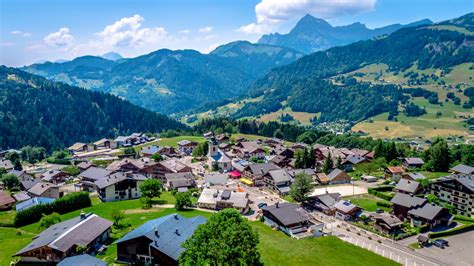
368, 202
276, 248
302, 117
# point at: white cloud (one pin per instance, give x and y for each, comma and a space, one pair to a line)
129, 32
60, 39
206, 29
270, 13
185, 31
20, 33
7, 44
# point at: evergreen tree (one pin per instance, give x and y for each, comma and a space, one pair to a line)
302, 185
328, 164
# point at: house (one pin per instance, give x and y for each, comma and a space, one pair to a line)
82, 260
92, 175
411, 163
171, 165
322, 178
133, 139
103, 144
394, 173
6, 164
408, 187
324, 202
46, 190
149, 151
282, 151
338, 176
429, 214
368, 178
218, 159
26, 180
307, 171
84, 166
291, 219
130, 165
215, 179
221, 138
402, 203
278, 180
351, 161
299, 146
256, 172
346, 211
186, 147
54, 176
387, 223
60, 240
167, 151
216, 199
280, 160
457, 191
459, 169
120, 186
78, 147
274, 142
21, 196
179, 181
248, 149
32, 202
6, 201
414, 176
162, 238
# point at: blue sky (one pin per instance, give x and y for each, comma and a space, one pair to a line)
33, 30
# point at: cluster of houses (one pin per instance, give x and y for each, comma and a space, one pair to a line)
231, 167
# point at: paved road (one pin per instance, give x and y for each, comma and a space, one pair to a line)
385, 247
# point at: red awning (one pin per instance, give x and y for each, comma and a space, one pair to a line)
234, 174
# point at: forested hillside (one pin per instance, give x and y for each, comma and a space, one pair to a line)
38, 112
301, 85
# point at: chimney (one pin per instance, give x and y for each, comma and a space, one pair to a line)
176, 231
156, 231
261, 170
83, 215
276, 204
176, 216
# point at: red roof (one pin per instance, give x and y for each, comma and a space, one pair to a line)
235, 174
396, 169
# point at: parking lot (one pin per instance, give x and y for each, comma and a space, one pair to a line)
344, 190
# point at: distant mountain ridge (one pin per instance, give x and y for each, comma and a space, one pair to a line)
313, 34
172, 81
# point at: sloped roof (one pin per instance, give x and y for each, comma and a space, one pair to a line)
6, 164
77, 146
32, 202
84, 165
95, 173
345, 206
396, 169
334, 173
150, 150
101, 141
413, 160
296, 172
416, 176
5, 198
167, 241
279, 175
288, 213
118, 177
407, 185
250, 146
262, 168
76, 231
428, 211
328, 199
41, 187
463, 169
215, 178
407, 201
28, 183
82, 260
21, 196
355, 159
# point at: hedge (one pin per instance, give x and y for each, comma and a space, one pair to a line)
68, 203
463, 218
384, 204
380, 194
384, 188
454, 231
59, 161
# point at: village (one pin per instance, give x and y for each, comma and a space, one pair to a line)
400, 212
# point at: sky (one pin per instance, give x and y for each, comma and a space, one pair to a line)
38, 30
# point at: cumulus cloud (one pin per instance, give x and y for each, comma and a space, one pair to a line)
20, 33
270, 13
206, 29
60, 39
185, 31
129, 32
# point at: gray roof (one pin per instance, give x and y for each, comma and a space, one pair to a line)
176, 180
407, 200
82, 260
50, 175
413, 160
345, 206
6, 164
334, 173
463, 169
32, 202
428, 211
95, 173
328, 199
262, 168
296, 172
215, 179
118, 177
279, 176
416, 176
64, 235
40, 187
354, 159
288, 213
407, 185
167, 241
28, 183
21, 196
150, 150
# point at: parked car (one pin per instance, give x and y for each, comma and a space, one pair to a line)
261, 205
378, 210
441, 243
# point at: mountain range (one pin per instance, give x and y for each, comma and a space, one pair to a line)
313, 34
172, 81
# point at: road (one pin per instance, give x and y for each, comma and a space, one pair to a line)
373, 242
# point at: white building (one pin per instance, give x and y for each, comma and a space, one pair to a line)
217, 158
120, 186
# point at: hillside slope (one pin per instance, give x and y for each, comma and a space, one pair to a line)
312, 34
173, 81
38, 112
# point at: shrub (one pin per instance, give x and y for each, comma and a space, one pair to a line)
384, 204
59, 161
454, 231
463, 218
68, 203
